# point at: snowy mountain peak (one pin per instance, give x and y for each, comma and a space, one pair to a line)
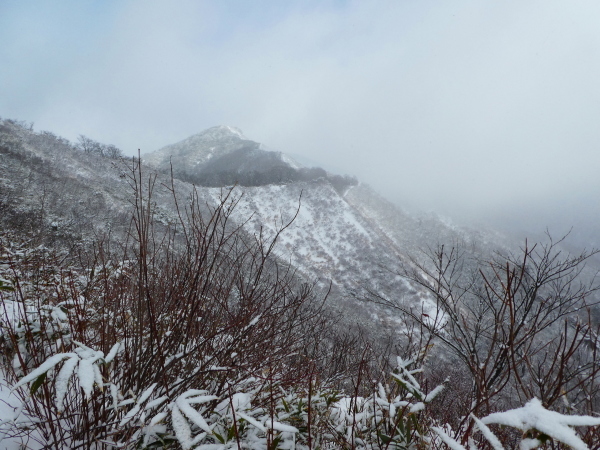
223, 156
199, 148
221, 132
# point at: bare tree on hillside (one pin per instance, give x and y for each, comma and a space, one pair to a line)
112, 151
88, 145
520, 324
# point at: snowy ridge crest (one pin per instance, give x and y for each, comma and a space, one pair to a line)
197, 149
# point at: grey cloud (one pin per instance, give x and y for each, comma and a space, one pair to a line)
466, 107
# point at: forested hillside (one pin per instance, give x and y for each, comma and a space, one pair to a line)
218, 295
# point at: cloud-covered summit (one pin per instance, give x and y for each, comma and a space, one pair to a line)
223, 156
197, 149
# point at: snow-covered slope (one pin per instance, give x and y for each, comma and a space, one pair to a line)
342, 233
326, 234
327, 240
47, 184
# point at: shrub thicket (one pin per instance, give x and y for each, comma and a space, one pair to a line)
199, 337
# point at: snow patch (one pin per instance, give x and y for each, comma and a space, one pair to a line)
291, 161
236, 131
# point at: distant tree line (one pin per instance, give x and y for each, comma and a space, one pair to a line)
279, 174
84, 143
18, 123
87, 145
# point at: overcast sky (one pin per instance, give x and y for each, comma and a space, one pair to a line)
489, 109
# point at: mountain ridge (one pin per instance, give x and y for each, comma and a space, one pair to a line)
222, 156
197, 149
122, 225
345, 232
78, 197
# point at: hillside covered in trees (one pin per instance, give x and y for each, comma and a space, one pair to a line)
239, 300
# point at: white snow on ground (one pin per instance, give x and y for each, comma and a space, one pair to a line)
9, 402
326, 236
328, 240
9, 407
10, 311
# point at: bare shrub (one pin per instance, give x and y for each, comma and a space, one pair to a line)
519, 326
202, 306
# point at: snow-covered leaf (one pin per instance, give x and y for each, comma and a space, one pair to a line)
447, 439
183, 432
86, 376
533, 416
113, 352
183, 403
61, 383
45, 367
487, 433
